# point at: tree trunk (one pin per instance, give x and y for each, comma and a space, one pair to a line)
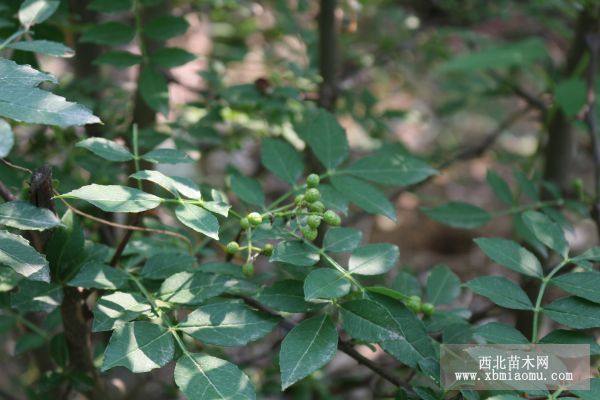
328, 55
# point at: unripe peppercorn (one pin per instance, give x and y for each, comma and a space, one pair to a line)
299, 199
313, 221
427, 308
248, 269
312, 180
244, 223
317, 206
414, 304
233, 247
312, 195
267, 249
331, 218
254, 218
309, 233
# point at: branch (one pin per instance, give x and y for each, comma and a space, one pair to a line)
531, 99
5, 193
343, 346
593, 43
123, 243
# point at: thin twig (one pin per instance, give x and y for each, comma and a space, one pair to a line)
123, 243
6, 193
531, 99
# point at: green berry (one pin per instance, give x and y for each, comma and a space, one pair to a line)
331, 218
244, 223
299, 199
248, 269
309, 233
313, 221
427, 308
414, 304
312, 195
254, 218
267, 249
312, 180
317, 206
233, 247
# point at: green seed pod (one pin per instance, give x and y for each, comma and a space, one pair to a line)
254, 218
312, 195
233, 247
248, 269
331, 218
244, 223
427, 308
267, 249
414, 304
317, 206
309, 233
313, 221
312, 181
299, 199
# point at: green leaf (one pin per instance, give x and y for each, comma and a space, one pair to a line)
7, 138
333, 199
28, 342
499, 186
109, 33
458, 215
570, 95
154, 90
325, 283
591, 394
176, 185
229, 323
16, 253
167, 156
66, 248
497, 333
384, 291
165, 27
306, 348
373, 259
501, 291
115, 198
407, 284
325, 137
282, 159
140, 347
119, 59
192, 287
574, 312
107, 149
286, 295
108, 6
581, 284
369, 321
23, 101
34, 296
393, 169
341, 240
515, 54
25, 216
546, 231
45, 47
510, 255
295, 253
34, 12
248, 190
202, 377
163, 265
367, 197
563, 336
8, 280
443, 286
100, 276
592, 255
171, 57
113, 310
198, 219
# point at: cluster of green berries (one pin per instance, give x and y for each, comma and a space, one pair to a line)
311, 201
253, 220
415, 304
